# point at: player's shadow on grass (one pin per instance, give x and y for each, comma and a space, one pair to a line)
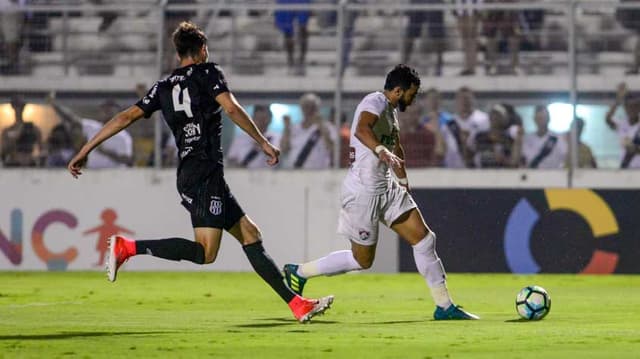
397, 322
521, 320
281, 322
70, 335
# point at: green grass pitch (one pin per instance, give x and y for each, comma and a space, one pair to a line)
235, 315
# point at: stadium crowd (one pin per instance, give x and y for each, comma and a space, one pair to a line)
465, 136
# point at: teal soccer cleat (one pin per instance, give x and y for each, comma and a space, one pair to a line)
294, 281
454, 312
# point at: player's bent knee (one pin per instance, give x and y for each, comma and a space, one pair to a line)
250, 232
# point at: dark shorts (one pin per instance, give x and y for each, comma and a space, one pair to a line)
211, 203
284, 18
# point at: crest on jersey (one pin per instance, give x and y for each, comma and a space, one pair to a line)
364, 235
216, 206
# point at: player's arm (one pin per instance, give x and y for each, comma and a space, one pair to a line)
364, 133
119, 122
400, 171
240, 117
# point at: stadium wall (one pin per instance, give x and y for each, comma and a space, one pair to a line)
49, 221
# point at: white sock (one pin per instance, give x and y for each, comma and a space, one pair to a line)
334, 263
430, 267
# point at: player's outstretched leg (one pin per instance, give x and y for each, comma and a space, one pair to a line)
431, 268
334, 263
175, 249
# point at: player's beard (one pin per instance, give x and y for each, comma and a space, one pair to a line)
402, 106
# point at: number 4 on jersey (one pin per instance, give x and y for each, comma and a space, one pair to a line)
185, 105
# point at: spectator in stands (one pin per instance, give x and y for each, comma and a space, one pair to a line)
12, 22
435, 30
432, 109
498, 147
458, 133
468, 19
60, 147
434, 119
108, 17
544, 149
417, 140
585, 156
116, 151
284, 20
499, 26
22, 141
630, 19
329, 19
627, 126
345, 134
244, 151
310, 143
531, 24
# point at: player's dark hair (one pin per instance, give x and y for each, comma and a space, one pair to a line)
188, 39
403, 76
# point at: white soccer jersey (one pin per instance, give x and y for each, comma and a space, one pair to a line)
533, 150
626, 132
367, 172
478, 121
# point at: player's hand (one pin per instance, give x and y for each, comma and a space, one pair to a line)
272, 152
76, 164
390, 159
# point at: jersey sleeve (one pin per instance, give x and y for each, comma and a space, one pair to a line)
374, 104
216, 80
150, 103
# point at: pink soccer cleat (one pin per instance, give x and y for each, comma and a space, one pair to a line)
120, 249
304, 309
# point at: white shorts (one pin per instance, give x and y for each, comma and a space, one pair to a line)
361, 212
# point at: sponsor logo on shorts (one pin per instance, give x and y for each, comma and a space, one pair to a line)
364, 235
216, 206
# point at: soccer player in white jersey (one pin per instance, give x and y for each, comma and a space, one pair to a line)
627, 126
371, 195
543, 148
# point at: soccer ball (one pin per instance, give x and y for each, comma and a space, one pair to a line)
533, 302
